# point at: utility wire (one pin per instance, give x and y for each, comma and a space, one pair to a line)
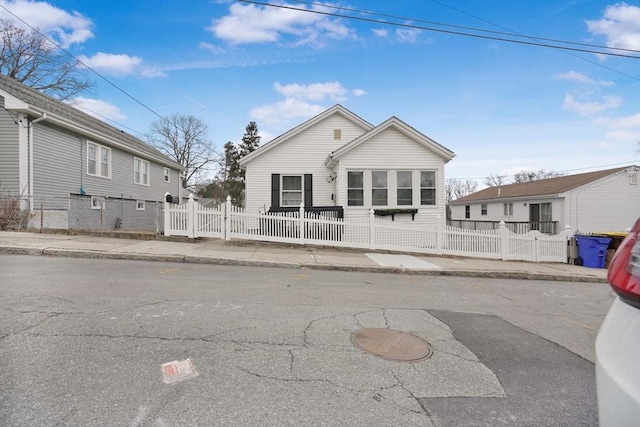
509, 33
418, 27
539, 38
83, 64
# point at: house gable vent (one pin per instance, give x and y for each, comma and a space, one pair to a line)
337, 134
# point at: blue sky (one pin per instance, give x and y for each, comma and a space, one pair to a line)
501, 107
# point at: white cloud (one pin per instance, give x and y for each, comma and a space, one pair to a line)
96, 108
119, 65
590, 108
620, 24
380, 32
211, 48
622, 128
581, 78
359, 92
314, 91
407, 35
63, 27
281, 113
267, 24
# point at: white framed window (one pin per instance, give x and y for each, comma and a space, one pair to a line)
427, 187
508, 209
379, 188
355, 188
483, 209
140, 171
97, 202
167, 175
98, 160
291, 190
404, 188
140, 205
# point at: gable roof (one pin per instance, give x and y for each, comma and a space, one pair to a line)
542, 187
336, 109
396, 123
32, 102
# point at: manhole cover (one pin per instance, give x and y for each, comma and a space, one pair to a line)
391, 345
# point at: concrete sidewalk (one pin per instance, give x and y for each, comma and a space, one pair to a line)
215, 251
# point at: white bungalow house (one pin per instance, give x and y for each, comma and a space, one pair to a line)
607, 200
337, 162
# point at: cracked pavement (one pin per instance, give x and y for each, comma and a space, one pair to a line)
81, 352
295, 356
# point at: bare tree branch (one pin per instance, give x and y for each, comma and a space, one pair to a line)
32, 60
185, 140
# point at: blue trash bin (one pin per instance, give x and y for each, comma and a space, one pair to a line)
593, 250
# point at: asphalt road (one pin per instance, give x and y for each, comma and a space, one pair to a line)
82, 342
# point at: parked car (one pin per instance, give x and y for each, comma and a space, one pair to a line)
618, 342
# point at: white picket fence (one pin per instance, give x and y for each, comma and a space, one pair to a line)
229, 222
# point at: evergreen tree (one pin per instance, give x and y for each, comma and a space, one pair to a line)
250, 139
232, 174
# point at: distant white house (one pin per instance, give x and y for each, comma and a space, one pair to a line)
338, 162
607, 200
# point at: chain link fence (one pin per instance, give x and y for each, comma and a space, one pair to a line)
76, 212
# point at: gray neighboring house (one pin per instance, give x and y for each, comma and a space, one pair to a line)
82, 172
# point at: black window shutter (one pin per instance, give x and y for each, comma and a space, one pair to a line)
275, 190
308, 190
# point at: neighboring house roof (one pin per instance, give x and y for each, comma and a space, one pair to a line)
30, 101
336, 109
392, 122
542, 187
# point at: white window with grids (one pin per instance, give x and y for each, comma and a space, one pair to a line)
404, 188
140, 171
379, 188
167, 175
98, 160
291, 190
427, 187
355, 188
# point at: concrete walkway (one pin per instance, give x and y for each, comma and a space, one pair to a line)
215, 251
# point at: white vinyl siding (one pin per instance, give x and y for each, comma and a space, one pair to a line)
303, 153
393, 151
9, 154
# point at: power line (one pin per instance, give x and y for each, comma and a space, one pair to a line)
510, 33
459, 33
83, 64
539, 38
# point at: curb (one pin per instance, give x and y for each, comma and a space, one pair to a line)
491, 274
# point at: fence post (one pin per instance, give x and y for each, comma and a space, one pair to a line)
372, 233
439, 234
41, 213
226, 227
167, 216
536, 246
301, 224
568, 233
191, 217
102, 206
504, 240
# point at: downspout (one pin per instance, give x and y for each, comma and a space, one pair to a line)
30, 148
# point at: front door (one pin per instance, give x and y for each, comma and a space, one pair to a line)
534, 216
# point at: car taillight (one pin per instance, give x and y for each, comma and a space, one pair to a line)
624, 269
